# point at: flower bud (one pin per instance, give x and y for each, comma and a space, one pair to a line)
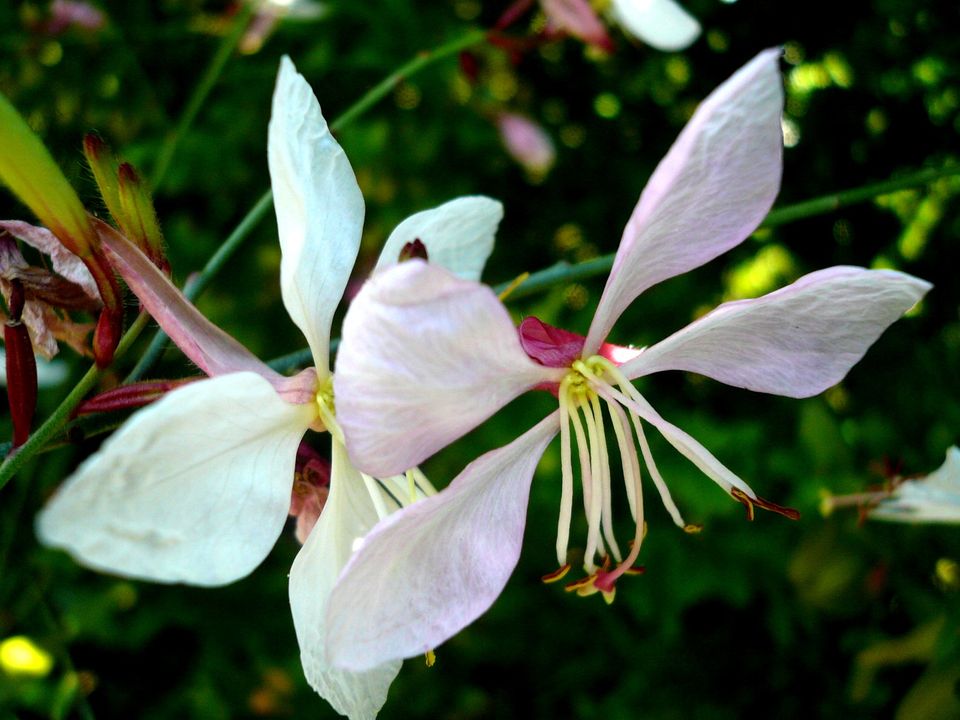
21, 368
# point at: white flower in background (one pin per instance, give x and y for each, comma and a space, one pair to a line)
931, 499
197, 487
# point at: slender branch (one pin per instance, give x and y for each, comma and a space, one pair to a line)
200, 93
565, 272
263, 205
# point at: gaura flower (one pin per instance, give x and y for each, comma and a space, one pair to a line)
426, 356
662, 24
196, 487
933, 498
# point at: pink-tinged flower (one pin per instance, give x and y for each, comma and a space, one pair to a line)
426, 356
527, 143
933, 498
196, 488
65, 14
662, 24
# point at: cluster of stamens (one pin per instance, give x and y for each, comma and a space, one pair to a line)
588, 387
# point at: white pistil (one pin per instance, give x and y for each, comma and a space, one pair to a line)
628, 454
606, 516
423, 484
596, 494
566, 473
375, 495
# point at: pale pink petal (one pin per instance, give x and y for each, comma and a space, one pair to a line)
348, 515
65, 263
458, 235
319, 210
797, 341
194, 488
931, 499
660, 23
527, 143
424, 358
707, 195
213, 351
428, 571
578, 19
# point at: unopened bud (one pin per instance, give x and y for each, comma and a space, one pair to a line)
411, 250
106, 336
129, 397
139, 219
21, 368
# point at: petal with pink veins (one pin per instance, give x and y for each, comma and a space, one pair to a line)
424, 358
797, 341
428, 571
347, 516
707, 195
458, 235
319, 210
213, 350
193, 489
662, 24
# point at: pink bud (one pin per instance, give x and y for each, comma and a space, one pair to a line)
527, 143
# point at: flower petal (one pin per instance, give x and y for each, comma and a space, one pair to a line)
424, 358
192, 489
458, 235
213, 350
707, 195
577, 18
65, 263
347, 516
797, 341
319, 210
932, 499
428, 571
660, 23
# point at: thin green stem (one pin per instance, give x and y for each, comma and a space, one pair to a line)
43, 434
263, 205
200, 94
563, 271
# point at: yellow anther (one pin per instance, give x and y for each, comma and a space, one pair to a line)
556, 575
430, 658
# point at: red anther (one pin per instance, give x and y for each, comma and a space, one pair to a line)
556, 575
106, 337
129, 397
21, 379
414, 249
748, 502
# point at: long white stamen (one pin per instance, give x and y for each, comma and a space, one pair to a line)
423, 483
606, 516
586, 480
596, 494
628, 454
375, 495
566, 471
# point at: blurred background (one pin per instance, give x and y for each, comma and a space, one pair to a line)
827, 617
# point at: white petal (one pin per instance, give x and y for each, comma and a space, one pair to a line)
347, 516
660, 23
932, 499
458, 235
319, 210
194, 488
707, 195
428, 571
797, 341
425, 357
